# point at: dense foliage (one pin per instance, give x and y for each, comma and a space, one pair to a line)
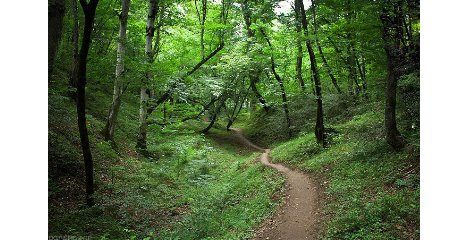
163, 82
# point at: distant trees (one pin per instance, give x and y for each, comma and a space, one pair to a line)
119, 88
89, 10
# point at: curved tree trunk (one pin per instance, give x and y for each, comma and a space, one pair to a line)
110, 126
319, 125
56, 14
89, 10
214, 115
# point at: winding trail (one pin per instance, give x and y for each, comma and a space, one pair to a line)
299, 217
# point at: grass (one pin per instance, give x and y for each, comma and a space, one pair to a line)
372, 191
190, 186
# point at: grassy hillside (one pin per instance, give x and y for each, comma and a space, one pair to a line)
372, 192
189, 187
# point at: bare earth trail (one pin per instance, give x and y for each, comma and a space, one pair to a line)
299, 217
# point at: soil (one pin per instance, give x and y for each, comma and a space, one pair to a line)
300, 216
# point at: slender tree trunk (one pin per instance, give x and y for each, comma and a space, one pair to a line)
320, 50
111, 121
214, 116
144, 92
75, 55
300, 53
89, 10
352, 76
253, 79
391, 38
362, 72
281, 85
56, 14
202, 21
319, 125
284, 98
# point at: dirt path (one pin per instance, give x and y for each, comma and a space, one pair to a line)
299, 217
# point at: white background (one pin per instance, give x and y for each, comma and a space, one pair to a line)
445, 120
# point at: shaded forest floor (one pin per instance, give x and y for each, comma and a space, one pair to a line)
194, 186
191, 186
371, 191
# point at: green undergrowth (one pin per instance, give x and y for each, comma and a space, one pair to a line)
188, 187
372, 192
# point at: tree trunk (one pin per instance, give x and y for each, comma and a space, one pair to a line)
202, 21
319, 125
110, 126
75, 41
391, 38
298, 66
281, 86
320, 51
253, 79
142, 135
56, 12
144, 92
352, 76
214, 116
362, 72
89, 11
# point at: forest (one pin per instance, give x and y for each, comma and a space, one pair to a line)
233, 119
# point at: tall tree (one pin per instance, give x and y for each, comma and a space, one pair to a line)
110, 126
56, 12
89, 10
144, 90
391, 31
319, 125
